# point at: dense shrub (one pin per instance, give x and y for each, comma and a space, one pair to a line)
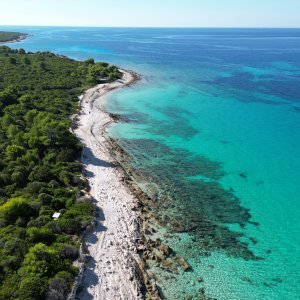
15, 208
39, 174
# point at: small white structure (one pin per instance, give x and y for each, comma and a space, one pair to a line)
56, 216
104, 79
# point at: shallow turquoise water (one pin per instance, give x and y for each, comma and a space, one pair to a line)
217, 111
255, 139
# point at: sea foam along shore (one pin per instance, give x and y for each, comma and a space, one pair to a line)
113, 270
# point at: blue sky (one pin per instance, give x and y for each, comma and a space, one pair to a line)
152, 13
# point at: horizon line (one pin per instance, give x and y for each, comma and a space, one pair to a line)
155, 27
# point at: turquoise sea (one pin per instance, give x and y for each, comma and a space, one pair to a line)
213, 134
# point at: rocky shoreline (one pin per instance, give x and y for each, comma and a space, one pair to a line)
143, 248
113, 268
151, 250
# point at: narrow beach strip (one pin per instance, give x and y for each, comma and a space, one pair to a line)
112, 271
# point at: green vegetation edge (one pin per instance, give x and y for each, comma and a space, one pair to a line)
40, 171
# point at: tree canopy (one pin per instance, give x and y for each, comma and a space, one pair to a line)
39, 171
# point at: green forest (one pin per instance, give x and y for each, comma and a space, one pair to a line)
40, 171
9, 36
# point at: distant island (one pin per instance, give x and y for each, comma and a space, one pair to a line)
6, 36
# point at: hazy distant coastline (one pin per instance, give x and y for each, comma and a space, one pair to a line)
12, 37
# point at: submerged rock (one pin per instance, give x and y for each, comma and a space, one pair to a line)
184, 264
165, 250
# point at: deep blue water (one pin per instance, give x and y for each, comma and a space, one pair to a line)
213, 135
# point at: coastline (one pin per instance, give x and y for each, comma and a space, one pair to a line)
114, 269
172, 110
